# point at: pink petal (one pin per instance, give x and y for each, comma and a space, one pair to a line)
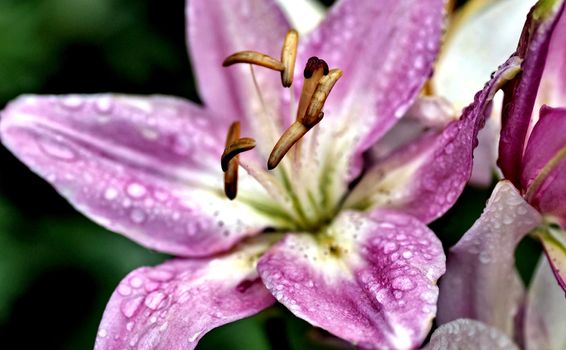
520, 95
369, 280
545, 310
145, 167
386, 50
553, 83
546, 144
219, 28
433, 169
465, 334
481, 282
171, 306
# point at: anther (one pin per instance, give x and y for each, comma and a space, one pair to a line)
256, 58
289, 57
234, 146
319, 97
293, 134
315, 69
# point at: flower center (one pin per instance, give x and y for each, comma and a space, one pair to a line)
287, 176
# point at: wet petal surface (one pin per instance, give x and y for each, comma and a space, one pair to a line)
145, 167
481, 282
369, 280
433, 169
171, 306
545, 310
465, 334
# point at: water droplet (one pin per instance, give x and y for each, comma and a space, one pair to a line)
154, 299
130, 306
57, 150
389, 247
136, 190
72, 102
102, 333
402, 283
136, 282
124, 290
407, 254
130, 326
160, 275
137, 216
110, 194
104, 105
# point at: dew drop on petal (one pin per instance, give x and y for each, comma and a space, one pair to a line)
137, 216
110, 194
154, 299
102, 333
129, 307
136, 190
57, 150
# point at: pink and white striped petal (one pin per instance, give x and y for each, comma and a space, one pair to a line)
369, 280
148, 168
397, 41
544, 313
219, 28
481, 282
433, 169
466, 334
171, 306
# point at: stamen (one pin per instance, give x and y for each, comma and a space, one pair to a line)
235, 148
289, 56
253, 57
315, 69
291, 136
327, 82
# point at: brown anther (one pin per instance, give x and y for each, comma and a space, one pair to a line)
289, 57
235, 148
315, 69
256, 58
293, 134
231, 173
319, 97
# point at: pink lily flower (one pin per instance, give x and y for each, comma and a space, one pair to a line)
346, 250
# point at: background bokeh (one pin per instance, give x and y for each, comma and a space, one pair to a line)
57, 269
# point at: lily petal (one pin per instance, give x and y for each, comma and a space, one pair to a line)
520, 95
304, 15
435, 168
465, 334
481, 36
545, 310
552, 90
219, 28
369, 280
541, 176
481, 281
171, 306
395, 44
147, 168
554, 243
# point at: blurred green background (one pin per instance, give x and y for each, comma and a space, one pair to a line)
57, 269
